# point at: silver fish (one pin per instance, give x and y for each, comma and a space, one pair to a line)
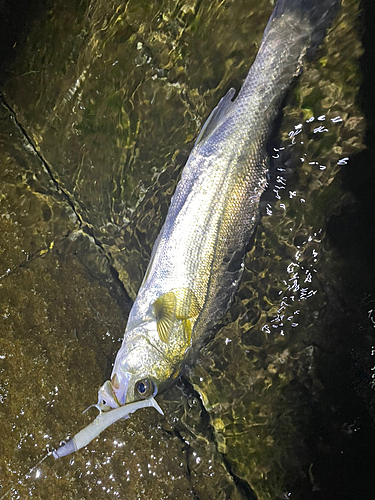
197, 259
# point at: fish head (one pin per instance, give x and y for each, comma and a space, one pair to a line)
139, 371
153, 348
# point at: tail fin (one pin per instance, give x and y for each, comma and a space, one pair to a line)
318, 13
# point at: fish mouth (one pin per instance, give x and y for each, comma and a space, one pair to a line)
107, 398
113, 393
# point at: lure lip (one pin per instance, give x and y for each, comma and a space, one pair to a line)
101, 422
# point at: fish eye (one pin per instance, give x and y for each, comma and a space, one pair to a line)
145, 388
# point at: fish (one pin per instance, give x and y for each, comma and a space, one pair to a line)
198, 257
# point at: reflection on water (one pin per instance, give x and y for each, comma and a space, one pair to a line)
110, 96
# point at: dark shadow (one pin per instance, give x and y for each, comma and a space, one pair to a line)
16, 18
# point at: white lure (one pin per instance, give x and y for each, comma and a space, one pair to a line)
102, 421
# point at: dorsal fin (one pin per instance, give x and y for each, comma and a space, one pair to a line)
216, 117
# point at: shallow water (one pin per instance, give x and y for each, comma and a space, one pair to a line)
101, 106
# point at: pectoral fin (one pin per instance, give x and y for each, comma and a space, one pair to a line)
165, 312
178, 304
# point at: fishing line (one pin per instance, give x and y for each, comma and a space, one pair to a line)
27, 475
